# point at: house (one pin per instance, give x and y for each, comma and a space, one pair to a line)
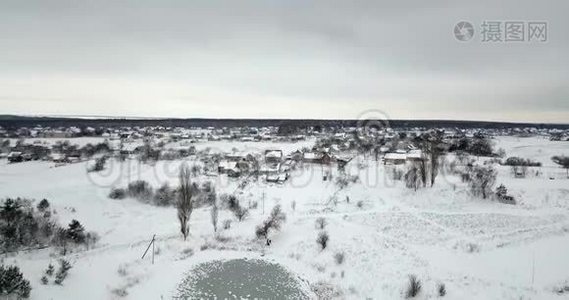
229, 167
415, 155
235, 157
232, 168
317, 157
273, 156
394, 158
277, 178
57, 158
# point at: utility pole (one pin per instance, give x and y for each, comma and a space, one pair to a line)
263, 203
147, 248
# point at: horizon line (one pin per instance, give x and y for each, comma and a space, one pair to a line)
158, 118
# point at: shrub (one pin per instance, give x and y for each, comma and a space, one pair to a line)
164, 196
413, 287
502, 195
62, 272
99, 164
274, 221
339, 257
43, 205
241, 213
235, 207
23, 227
140, 190
13, 283
44, 280
117, 193
482, 180
49, 271
76, 232
518, 161
322, 239
226, 224
441, 289
321, 223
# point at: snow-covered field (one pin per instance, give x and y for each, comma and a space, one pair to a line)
479, 249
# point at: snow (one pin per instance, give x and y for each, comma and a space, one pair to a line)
480, 249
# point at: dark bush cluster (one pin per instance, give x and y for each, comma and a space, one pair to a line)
22, 226
165, 195
273, 222
518, 161
479, 146
13, 285
235, 207
502, 195
140, 190
481, 180
99, 164
413, 287
322, 239
62, 271
60, 275
117, 193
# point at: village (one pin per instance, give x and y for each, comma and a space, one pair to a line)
307, 200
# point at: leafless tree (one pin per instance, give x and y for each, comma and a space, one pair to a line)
482, 181
413, 177
184, 204
214, 215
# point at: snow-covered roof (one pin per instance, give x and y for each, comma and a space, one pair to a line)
396, 156
274, 153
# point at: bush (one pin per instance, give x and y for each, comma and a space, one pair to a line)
140, 190
226, 224
323, 239
413, 287
235, 207
441, 289
13, 283
117, 193
62, 272
165, 195
482, 180
518, 161
502, 195
99, 164
274, 221
49, 271
23, 227
43, 205
76, 232
241, 213
339, 257
321, 223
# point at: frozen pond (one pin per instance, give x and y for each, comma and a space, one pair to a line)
240, 279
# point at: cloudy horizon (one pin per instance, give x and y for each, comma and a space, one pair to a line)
280, 59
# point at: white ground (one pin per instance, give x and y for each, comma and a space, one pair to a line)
479, 249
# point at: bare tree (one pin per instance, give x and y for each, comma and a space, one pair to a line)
413, 177
184, 204
482, 181
214, 215
423, 170
434, 152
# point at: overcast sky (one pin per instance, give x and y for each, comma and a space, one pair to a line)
281, 59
